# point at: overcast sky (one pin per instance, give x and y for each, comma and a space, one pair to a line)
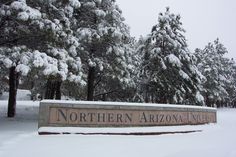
204, 20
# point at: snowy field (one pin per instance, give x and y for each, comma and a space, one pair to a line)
19, 138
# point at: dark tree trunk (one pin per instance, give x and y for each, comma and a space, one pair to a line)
53, 89
163, 97
13, 85
146, 94
58, 90
49, 94
48, 90
104, 97
90, 86
52, 94
207, 100
153, 98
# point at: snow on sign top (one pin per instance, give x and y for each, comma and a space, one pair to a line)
104, 103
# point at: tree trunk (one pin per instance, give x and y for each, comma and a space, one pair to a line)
207, 100
163, 97
152, 97
13, 85
104, 97
58, 90
90, 86
53, 89
146, 94
50, 92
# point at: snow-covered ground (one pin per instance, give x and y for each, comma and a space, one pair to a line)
21, 95
19, 138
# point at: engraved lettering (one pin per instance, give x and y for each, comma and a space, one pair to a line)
199, 118
110, 117
128, 117
175, 118
143, 118
180, 118
196, 117
119, 118
82, 117
92, 116
157, 118
73, 117
168, 118
151, 118
161, 118
101, 116
62, 114
122, 117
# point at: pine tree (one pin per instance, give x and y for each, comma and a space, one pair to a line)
169, 72
104, 48
232, 89
217, 70
15, 18
3, 78
64, 62
38, 35
230, 82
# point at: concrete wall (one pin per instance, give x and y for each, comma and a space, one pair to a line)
109, 114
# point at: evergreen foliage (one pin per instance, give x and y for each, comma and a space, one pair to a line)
105, 48
83, 50
169, 73
219, 72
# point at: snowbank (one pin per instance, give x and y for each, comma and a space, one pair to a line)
19, 137
21, 95
125, 104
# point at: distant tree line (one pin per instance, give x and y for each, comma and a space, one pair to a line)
83, 50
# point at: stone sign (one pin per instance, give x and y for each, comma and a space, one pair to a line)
105, 114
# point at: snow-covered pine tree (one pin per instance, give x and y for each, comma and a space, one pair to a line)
105, 46
229, 78
3, 78
62, 47
218, 71
37, 34
232, 89
13, 32
169, 71
143, 91
111, 88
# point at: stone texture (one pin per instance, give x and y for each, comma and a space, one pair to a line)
72, 115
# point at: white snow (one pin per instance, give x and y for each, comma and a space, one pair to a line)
25, 12
199, 97
184, 75
174, 60
20, 134
100, 13
78, 130
75, 3
19, 5
19, 137
76, 79
126, 104
21, 95
23, 16
163, 64
7, 62
72, 50
23, 69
